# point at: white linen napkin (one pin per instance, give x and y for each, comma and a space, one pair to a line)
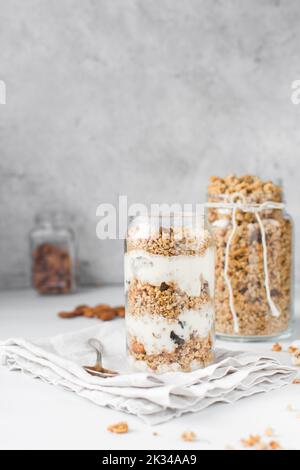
154, 398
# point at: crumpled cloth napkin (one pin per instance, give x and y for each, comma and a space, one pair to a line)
154, 398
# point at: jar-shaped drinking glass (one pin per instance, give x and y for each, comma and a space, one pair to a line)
254, 258
53, 254
169, 284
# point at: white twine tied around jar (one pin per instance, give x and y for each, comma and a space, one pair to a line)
242, 205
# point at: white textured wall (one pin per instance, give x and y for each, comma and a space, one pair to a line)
138, 97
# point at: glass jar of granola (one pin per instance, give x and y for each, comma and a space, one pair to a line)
169, 284
53, 254
254, 259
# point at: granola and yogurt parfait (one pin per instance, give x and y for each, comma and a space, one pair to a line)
169, 284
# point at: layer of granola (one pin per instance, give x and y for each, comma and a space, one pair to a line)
253, 188
166, 300
190, 355
169, 241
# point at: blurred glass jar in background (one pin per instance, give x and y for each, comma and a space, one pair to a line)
53, 254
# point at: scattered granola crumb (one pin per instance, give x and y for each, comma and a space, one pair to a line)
188, 436
251, 441
292, 349
269, 432
290, 407
155, 433
296, 381
277, 347
296, 358
274, 445
118, 428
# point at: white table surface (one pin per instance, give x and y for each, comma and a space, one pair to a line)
35, 415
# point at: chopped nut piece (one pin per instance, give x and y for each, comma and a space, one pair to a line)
251, 441
296, 381
276, 347
269, 432
137, 348
292, 349
274, 445
155, 433
118, 428
188, 436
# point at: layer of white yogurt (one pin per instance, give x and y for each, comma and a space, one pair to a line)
188, 272
156, 332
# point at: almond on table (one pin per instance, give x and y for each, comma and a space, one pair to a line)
102, 311
188, 436
106, 316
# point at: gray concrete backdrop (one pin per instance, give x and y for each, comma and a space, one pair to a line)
139, 97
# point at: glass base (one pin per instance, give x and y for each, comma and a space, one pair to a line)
254, 339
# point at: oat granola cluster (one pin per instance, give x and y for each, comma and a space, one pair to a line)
245, 261
166, 300
163, 319
169, 241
